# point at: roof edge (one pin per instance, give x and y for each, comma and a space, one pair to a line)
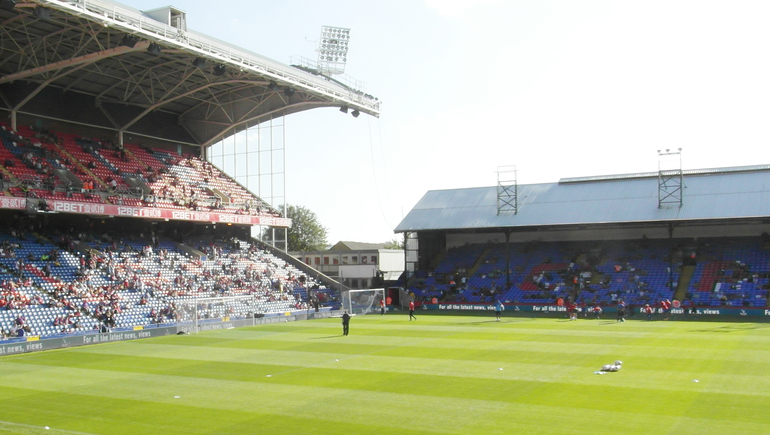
707, 171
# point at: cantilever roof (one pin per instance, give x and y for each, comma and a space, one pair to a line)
106, 65
709, 194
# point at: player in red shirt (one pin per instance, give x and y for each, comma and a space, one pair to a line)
597, 311
666, 305
382, 307
411, 311
648, 310
572, 309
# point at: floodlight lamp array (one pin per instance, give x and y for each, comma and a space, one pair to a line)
333, 46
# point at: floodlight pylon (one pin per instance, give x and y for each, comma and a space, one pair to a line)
507, 190
670, 178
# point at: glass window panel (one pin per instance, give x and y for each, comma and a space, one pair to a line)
253, 137
215, 150
228, 145
278, 162
253, 162
277, 137
217, 160
265, 165
241, 142
278, 185
265, 187
264, 138
253, 184
241, 165
229, 163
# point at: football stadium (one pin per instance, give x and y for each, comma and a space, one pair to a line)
138, 293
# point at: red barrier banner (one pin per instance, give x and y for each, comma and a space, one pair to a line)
14, 203
149, 212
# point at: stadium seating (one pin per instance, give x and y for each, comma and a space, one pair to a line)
729, 272
125, 281
127, 175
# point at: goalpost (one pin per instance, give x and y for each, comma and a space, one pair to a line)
361, 302
191, 313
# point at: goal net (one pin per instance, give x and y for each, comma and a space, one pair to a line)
362, 301
194, 312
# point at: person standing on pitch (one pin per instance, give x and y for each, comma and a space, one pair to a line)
648, 310
597, 312
382, 307
345, 323
499, 308
411, 311
666, 308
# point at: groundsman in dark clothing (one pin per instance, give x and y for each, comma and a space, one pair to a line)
345, 323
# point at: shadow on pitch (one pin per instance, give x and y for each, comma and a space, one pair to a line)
735, 328
326, 337
504, 320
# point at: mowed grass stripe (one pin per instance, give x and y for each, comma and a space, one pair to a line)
677, 337
84, 413
213, 394
196, 365
700, 334
411, 355
556, 400
329, 405
428, 383
261, 363
752, 361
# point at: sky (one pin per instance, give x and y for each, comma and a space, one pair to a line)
557, 88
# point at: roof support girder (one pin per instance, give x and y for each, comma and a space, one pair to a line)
178, 96
76, 61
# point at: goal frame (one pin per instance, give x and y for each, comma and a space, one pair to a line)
191, 323
348, 299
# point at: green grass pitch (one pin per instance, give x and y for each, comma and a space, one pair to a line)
441, 374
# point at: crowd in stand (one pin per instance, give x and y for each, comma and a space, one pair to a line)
44, 152
108, 270
639, 276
